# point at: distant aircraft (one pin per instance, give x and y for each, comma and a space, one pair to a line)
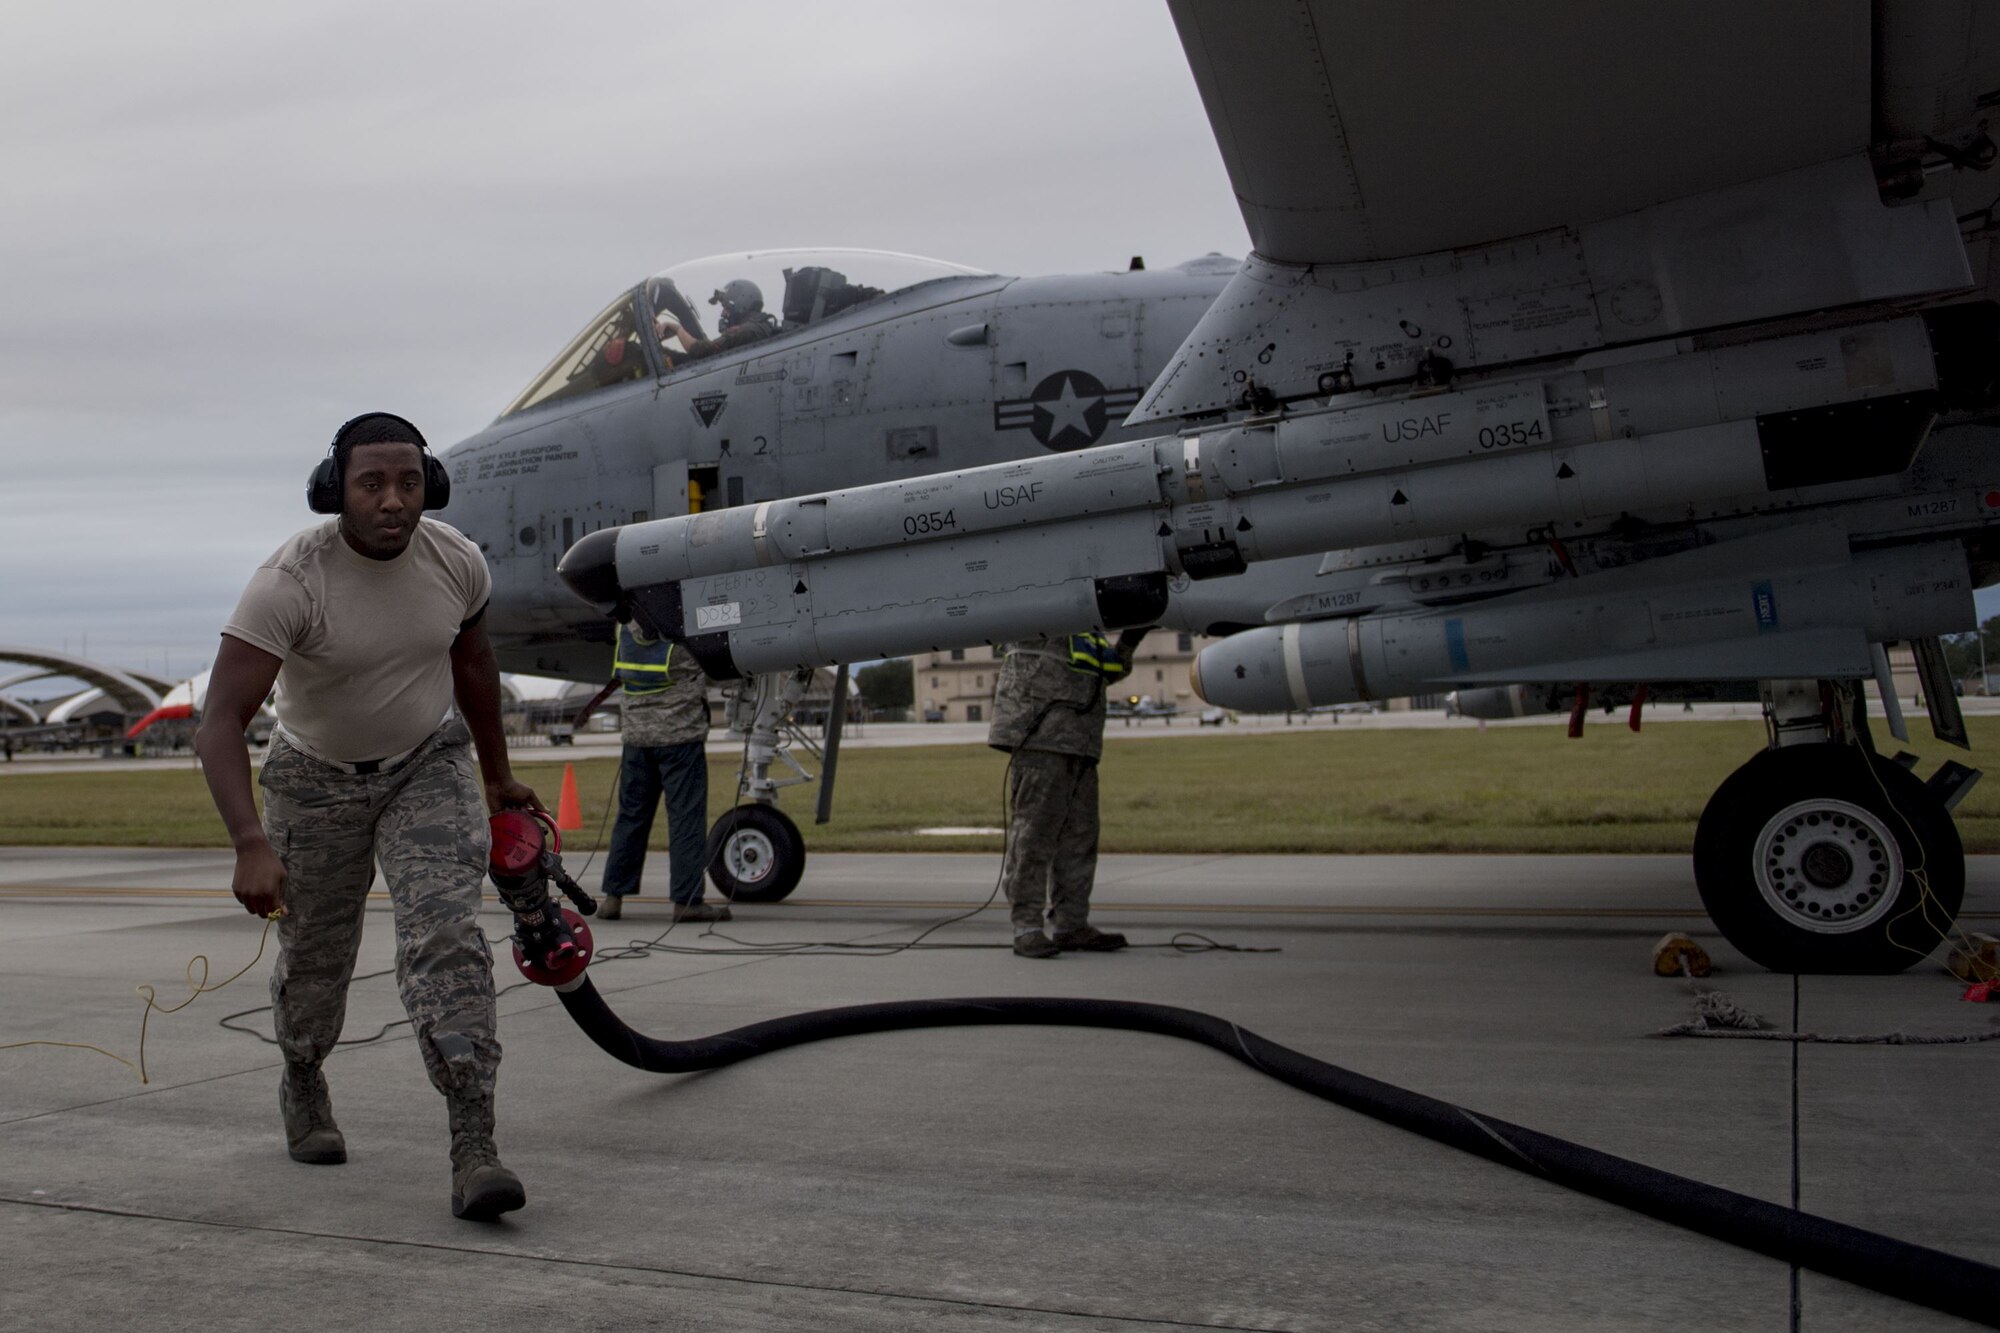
1141, 706
1601, 345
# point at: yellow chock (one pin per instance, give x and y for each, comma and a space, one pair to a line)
1975, 960
1676, 953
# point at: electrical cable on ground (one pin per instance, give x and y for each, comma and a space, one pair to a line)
196, 989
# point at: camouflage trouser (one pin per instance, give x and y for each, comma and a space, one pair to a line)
426, 822
1052, 839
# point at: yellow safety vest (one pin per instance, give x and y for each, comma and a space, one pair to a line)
641, 665
1094, 654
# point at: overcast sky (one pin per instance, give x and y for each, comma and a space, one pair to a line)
228, 227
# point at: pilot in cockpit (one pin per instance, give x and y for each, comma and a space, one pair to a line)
743, 320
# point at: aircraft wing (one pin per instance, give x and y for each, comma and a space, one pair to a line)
1437, 188
1360, 130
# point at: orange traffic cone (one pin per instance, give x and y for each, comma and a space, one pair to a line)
569, 810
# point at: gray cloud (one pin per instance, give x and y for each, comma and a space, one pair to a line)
230, 226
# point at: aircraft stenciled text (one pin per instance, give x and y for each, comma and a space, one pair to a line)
918, 525
521, 462
1510, 433
1412, 428
1006, 497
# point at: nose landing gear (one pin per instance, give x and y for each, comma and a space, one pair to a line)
756, 854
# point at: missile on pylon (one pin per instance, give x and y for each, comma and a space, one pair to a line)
1090, 538
1811, 609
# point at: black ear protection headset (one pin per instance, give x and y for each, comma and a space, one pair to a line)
328, 484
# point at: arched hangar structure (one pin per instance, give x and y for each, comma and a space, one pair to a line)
132, 693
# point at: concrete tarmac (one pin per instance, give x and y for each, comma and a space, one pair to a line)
983, 1180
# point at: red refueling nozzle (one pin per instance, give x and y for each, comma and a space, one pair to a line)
552, 945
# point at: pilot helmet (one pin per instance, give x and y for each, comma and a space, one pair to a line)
739, 298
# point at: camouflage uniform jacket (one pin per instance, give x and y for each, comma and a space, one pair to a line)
672, 716
750, 329
1037, 681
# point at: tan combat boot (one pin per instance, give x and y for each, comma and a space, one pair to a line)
310, 1134
481, 1187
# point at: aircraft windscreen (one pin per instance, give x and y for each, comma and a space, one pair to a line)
706, 306
607, 352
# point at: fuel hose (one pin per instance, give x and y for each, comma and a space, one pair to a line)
1945, 1282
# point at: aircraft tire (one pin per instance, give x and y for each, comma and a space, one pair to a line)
756, 854
1829, 859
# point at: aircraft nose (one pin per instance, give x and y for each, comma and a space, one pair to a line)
590, 568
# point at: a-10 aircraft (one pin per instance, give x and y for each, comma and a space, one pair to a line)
1590, 347
730, 381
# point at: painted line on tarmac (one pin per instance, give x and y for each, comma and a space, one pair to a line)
931, 905
888, 1299
936, 905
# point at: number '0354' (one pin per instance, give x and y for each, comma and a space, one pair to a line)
1510, 433
917, 525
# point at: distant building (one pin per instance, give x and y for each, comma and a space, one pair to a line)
957, 685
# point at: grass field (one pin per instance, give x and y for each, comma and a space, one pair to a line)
1506, 789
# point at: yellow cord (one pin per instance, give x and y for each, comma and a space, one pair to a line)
196, 989
1950, 932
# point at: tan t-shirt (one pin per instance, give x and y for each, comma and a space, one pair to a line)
366, 643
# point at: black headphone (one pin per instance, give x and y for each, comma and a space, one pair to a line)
327, 485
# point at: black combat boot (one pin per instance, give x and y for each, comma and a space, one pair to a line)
481, 1187
1089, 939
1034, 944
701, 912
310, 1134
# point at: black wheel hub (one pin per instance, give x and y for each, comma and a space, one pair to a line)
1827, 865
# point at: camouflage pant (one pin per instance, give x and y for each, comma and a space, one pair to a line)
1052, 839
426, 822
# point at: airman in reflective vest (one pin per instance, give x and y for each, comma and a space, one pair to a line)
664, 708
1048, 713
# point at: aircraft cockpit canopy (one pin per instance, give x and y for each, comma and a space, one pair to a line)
709, 306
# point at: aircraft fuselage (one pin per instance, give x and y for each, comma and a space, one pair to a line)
953, 373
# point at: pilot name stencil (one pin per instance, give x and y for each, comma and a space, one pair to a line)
520, 462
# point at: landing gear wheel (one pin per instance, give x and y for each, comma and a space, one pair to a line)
755, 854
1828, 858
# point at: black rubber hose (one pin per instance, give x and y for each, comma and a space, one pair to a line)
1928, 1277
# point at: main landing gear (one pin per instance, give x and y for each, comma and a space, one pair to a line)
1820, 855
